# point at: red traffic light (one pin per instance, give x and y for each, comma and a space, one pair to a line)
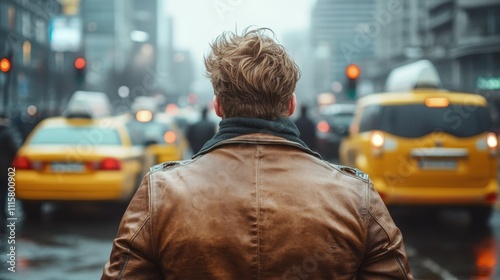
352, 71
5, 65
80, 63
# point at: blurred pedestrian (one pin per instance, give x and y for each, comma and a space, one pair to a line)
10, 141
201, 131
256, 202
307, 128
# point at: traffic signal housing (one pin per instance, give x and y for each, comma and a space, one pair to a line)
80, 66
352, 73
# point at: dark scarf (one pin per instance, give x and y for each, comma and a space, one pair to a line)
233, 127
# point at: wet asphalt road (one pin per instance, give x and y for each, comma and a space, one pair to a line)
444, 245
74, 242
68, 242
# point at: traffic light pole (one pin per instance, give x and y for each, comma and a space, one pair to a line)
6, 93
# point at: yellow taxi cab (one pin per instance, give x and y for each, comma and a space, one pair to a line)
77, 158
426, 147
163, 140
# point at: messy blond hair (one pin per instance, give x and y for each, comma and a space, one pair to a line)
252, 75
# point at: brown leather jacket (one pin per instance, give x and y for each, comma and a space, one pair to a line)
257, 207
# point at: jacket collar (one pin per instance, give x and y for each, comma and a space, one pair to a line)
256, 131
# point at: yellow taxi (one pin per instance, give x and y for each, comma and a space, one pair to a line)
77, 158
426, 147
163, 140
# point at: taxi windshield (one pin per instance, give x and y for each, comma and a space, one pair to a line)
76, 136
416, 120
150, 131
340, 119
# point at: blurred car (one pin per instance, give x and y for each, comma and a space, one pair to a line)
334, 122
163, 140
77, 158
427, 147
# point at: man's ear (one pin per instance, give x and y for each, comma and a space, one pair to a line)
217, 107
292, 105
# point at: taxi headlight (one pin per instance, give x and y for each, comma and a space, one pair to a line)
377, 142
144, 116
492, 141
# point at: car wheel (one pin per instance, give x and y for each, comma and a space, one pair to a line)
32, 209
480, 215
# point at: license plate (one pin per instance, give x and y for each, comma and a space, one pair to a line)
67, 167
438, 164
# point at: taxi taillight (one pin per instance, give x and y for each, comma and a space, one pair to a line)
491, 198
21, 163
110, 164
169, 137
377, 142
323, 126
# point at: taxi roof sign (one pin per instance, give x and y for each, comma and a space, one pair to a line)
419, 74
95, 104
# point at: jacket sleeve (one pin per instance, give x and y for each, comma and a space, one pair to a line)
132, 256
385, 255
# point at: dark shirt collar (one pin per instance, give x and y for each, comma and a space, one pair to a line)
233, 127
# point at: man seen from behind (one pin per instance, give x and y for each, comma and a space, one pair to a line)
255, 202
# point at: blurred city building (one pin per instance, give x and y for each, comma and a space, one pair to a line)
300, 50
25, 44
339, 37
461, 37
182, 74
464, 42
107, 45
165, 43
121, 47
129, 45
400, 38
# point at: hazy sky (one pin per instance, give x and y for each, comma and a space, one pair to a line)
197, 22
